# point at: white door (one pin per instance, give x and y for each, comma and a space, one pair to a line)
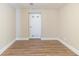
35, 25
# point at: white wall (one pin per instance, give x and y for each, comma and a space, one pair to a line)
69, 24
7, 24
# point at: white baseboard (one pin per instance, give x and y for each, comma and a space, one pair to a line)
22, 38
70, 47
49, 38
8, 45
41, 38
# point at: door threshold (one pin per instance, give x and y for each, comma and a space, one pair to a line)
34, 38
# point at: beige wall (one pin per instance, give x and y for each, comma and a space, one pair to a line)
24, 23
69, 24
49, 22
7, 24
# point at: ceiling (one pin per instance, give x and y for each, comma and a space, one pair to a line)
37, 5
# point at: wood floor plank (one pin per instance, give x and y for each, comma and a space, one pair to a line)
38, 48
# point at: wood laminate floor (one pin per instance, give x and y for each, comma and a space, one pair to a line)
38, 48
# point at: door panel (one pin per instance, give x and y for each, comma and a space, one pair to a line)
35, 25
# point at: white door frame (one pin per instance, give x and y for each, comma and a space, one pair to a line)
29, 23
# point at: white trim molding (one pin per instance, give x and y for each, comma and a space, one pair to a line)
70, 47
22, 38
41, 38
49, 38
7, 46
